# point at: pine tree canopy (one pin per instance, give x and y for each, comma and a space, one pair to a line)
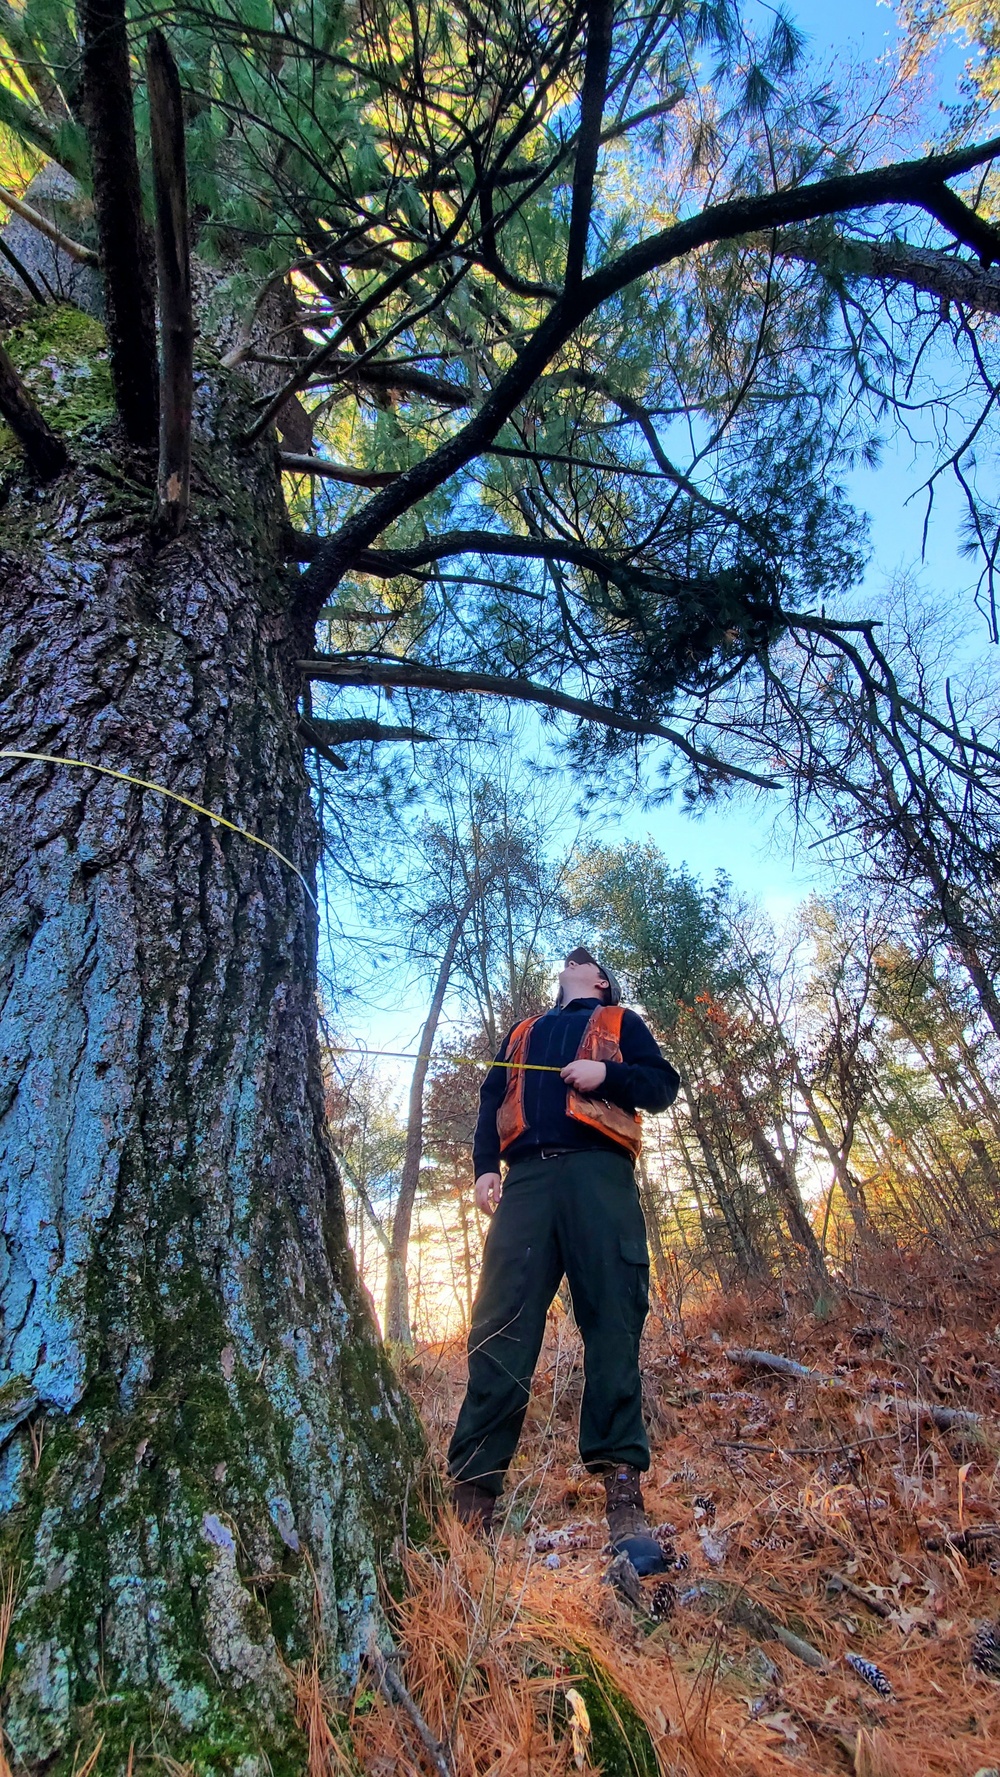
567, 321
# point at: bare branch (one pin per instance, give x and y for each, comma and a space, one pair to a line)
414, 675
362, 728
21, 272
298, 465
71, 248
974, 231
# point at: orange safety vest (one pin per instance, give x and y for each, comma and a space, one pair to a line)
601, 1041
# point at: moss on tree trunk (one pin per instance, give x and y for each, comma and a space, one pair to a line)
202, 1444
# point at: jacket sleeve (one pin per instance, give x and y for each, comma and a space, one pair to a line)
643, 1080
486, 1141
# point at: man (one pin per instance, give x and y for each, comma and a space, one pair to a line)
569, 1135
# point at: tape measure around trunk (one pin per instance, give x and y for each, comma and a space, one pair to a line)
144, 783
528, 1067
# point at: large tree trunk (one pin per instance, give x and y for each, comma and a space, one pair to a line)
200, 1430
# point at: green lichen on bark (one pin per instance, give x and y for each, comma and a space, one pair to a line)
212, 1452
61, 356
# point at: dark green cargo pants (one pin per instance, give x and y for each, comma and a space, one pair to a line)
578, 1215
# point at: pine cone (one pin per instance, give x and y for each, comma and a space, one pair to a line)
664, 1535
870, 1674
662, 1601
985, 1649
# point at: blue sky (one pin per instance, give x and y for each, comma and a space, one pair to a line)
749, 838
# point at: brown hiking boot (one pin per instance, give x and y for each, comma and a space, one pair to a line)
473, 1505
623, 1506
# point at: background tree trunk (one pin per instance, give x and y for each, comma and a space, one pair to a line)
397, 1289
200, 1431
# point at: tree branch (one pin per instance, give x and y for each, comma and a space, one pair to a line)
600, 15
896, 262
173, 276
22, 273
131, 314
311, 737
20, 40
972, 230
71, 248
389, 564
45, 452
32, 126
362, 728
902, 182
298, 465
407, 380
414, 675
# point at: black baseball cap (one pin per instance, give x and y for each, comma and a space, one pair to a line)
582, 955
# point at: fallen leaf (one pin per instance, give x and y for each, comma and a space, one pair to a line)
579, 1727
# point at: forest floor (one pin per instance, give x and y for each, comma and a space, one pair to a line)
828, 1510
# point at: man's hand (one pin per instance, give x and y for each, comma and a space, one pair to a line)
488, 1189
586, 1076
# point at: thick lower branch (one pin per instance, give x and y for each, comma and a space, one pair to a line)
962, 222
340, 734
412, 675
896, 262
913, 182
388, 564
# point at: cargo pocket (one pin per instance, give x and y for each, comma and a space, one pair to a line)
636, 1258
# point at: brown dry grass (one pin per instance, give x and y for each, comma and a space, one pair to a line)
805, 1482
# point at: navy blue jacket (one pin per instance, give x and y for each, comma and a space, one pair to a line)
641, 1081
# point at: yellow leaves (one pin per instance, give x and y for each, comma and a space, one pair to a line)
579, 1727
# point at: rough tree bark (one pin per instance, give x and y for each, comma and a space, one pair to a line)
199, 1430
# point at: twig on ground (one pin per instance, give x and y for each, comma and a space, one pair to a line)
781, 1366
841, 1449
748, 1613
945, 1418
837, 1583
825, 1728
854, 1289
803, 1650
393, 1688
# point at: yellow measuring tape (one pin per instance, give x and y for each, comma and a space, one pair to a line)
143, 783
531, 1067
